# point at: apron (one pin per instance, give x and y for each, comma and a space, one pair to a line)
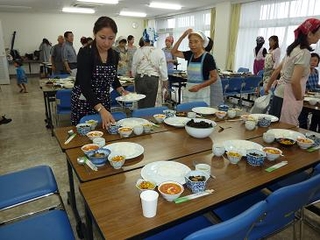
268, 67
291, 108
195, 77
102, 78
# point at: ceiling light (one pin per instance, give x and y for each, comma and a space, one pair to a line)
100, 1
78, 10
14, 7
165, 5
132, 14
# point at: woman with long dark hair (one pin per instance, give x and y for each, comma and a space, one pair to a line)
295, 69
272, 59
97, 72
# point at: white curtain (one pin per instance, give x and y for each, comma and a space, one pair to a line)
176, 25
267, 18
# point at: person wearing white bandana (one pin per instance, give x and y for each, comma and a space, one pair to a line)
202, 70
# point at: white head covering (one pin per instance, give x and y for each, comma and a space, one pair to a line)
120, 38
201, 35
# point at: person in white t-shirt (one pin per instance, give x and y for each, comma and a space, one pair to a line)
149, 65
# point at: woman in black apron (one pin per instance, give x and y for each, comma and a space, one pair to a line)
97, 72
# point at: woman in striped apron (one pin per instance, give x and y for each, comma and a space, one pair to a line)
201, 67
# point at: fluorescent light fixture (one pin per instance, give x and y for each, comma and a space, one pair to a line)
15, 7
132, 14
100, 1
165, 5
78, 10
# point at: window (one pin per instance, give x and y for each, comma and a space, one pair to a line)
267, 18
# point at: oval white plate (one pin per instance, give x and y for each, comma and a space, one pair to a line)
161, 171
280, 133
128, 149
204, 110
241, 146
307, 99
131, 97
177, 121
131, 122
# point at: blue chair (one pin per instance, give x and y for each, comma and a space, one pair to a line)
184, 107
63, 103
26, 185
250, 85
48, 225
21, 187
234, 87
148, 112
182, 230
116, 115
282, 206
243, 70
60, 76
237, 227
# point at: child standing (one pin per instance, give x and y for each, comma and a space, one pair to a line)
22, 79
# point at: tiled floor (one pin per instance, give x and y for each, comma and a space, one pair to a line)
26, 142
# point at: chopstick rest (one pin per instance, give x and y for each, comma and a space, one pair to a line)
193, 196
276, 166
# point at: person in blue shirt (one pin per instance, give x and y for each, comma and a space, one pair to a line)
22, 79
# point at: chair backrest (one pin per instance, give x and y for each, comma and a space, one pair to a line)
113, 95
237, 227
243, 70
251, 83
189, 105
63, 98
147, 112
234, 84
225, 82
116, 115
283, 204
59, 76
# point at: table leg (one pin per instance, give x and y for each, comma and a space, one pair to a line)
72, 202
89, 231
46, 107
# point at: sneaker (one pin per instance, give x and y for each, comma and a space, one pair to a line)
5, 120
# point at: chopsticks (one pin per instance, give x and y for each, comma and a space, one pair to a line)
193, 196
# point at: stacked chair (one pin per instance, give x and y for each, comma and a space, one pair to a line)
29, 186
63, 103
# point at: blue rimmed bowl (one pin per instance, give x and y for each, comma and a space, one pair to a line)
98, 157
196, 181
255, 157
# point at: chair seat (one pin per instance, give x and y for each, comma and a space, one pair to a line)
182, 230
51, 225
25, 185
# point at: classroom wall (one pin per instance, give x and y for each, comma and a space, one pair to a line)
32, 28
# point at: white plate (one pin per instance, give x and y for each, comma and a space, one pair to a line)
131, 122
280, 133
126, 79
204, 110
131, 97
307, 99
129, 149
161, 171
177, 121
257, 116
241, 146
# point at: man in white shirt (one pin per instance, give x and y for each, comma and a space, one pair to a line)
148, 67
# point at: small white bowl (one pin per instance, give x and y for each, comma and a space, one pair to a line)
159, 117
94, 134
170, 190
313, 101
125, 131
89, 147
93, 124
144, 185
234, 156
220, 114
272, 153
304, 143
116, 161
